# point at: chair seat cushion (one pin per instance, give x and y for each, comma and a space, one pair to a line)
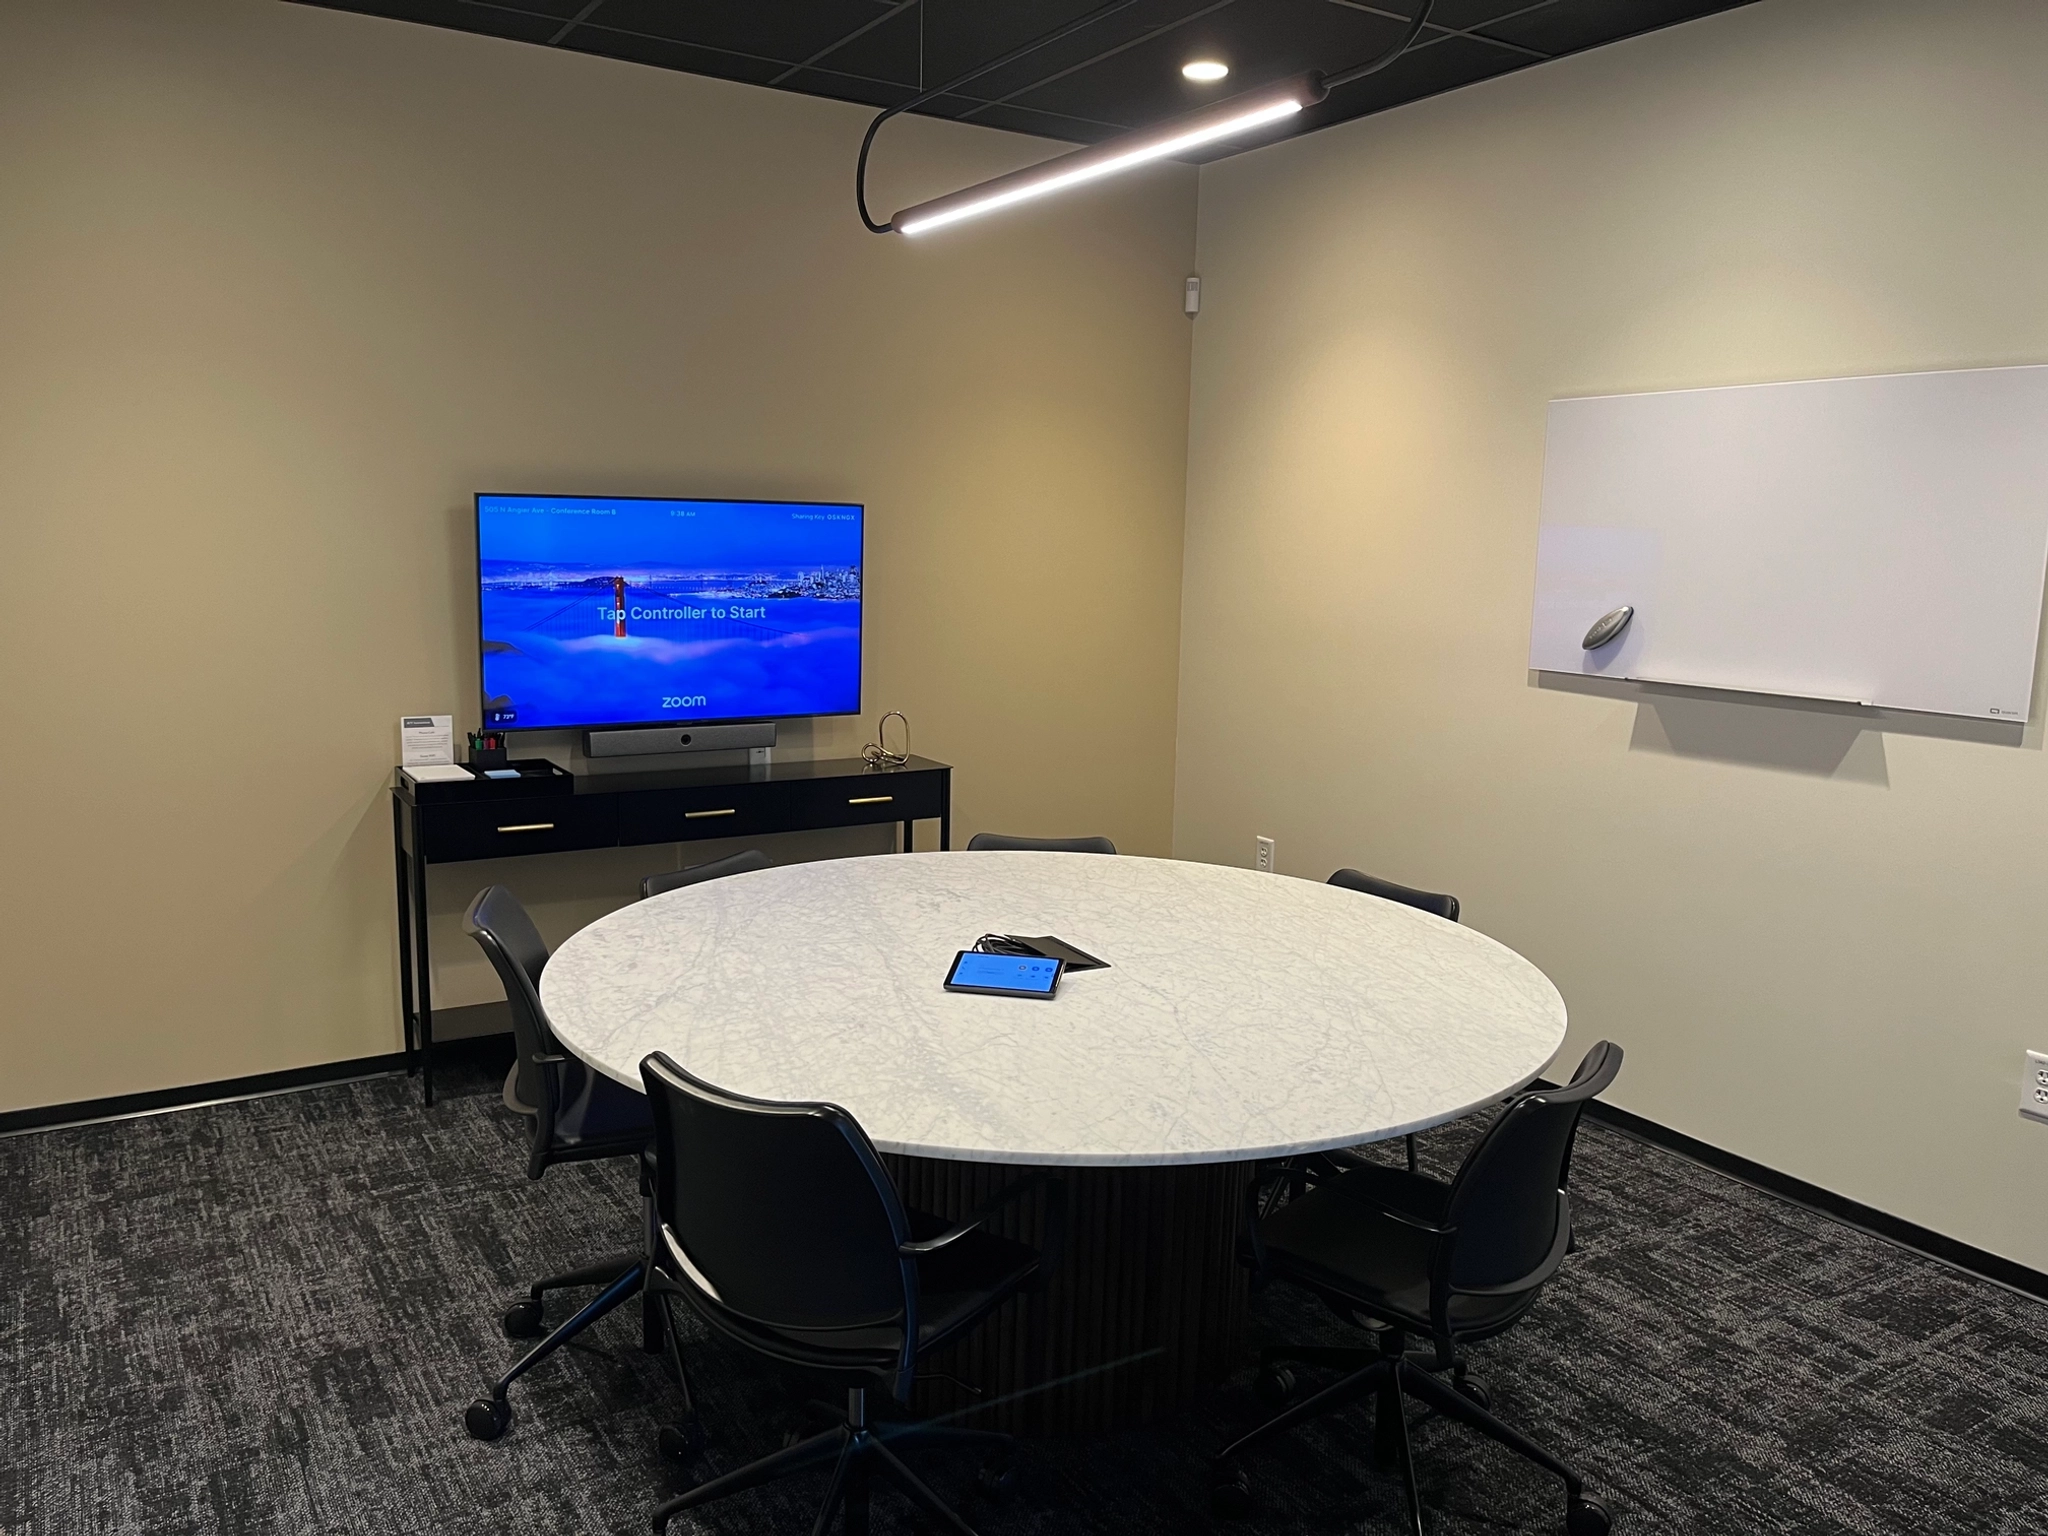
1338, 1239
957, 1286
594, 1109
964, 1279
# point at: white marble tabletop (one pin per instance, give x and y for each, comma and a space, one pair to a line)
1244, 1015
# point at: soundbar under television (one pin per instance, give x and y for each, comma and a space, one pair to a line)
610, 611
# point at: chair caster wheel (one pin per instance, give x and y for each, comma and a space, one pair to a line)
1230, 1491
683, 1442
522, 1320
1474, 1390
1587, 1517
487, 1418
1273, 1386
996, 1478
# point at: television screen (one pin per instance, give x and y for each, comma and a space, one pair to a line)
601, 611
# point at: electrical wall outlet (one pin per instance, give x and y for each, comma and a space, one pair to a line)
1265, 864
2034, 1092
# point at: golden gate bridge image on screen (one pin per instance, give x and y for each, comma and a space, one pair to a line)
580, 617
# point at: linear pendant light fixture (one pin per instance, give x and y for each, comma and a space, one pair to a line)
1224, 119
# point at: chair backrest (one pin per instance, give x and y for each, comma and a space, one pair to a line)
1507, 1201
783, 1213
506, 935
997, 842
575, 1108
731, 864
515, 949
1428, 901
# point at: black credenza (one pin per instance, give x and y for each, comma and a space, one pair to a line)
553, 811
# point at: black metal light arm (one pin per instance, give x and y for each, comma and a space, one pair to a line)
860, 173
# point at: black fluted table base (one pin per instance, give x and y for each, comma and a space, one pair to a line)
1146, 1308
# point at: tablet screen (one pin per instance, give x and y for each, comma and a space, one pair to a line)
1030, 974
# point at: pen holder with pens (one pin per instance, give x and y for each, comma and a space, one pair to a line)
487, 749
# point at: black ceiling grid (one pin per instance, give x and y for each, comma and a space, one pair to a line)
1120, 72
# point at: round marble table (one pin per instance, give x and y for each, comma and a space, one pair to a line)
1243, 1016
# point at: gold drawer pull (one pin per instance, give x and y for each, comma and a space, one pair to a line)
871, 799
530, 826
728, 811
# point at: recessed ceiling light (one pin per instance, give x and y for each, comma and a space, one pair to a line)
1204, 70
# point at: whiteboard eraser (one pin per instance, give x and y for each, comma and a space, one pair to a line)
1608, 627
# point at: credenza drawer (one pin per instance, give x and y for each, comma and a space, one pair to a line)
776, 805
502, 829
882, 797
680, 816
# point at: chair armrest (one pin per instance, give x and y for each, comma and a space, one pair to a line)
967, 1224
540, 1060
1434, 1229
1343, 1161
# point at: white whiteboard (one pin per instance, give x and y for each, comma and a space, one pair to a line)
1878, 540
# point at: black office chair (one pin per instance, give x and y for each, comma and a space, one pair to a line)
515, 1097
1454, 1263
579, 1115
997, 842
788, 1236
1445, 907
676, 879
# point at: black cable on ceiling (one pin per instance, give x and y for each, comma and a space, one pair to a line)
1381, 61
860, 174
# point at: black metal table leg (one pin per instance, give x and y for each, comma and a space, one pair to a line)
425, 983
398, 856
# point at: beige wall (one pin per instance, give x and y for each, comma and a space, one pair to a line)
280, 287
1824, 947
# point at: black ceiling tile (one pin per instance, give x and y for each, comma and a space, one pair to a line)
1261, 42
1443, 66
1461, 15
961, 35
1050, 125
1082, 52
886, 51
521, 21
1446, 16
786, 32
1582, 24
558, 11
662, 53
1120, 70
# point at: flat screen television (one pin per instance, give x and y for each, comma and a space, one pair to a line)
621, 611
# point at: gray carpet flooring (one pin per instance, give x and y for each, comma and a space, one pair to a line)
268, 1316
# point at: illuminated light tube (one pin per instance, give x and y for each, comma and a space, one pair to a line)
1239, 114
